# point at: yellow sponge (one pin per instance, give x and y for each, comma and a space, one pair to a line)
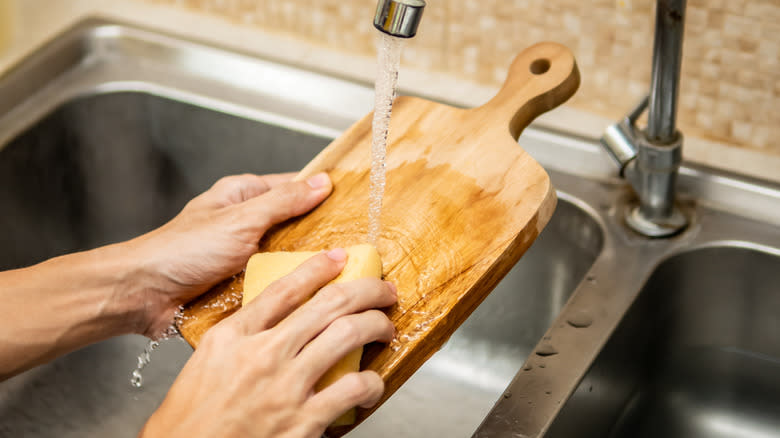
264, 268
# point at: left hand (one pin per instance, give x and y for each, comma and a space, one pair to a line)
213, 237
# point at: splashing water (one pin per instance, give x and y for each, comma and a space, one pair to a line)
389, 59
136, 378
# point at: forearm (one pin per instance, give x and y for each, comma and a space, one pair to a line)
68, 302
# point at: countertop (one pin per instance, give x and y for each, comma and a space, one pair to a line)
37, 21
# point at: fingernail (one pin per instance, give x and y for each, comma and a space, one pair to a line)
392, 288
318, 181
337, 255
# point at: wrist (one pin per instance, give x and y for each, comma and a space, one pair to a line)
118, 270
141, 292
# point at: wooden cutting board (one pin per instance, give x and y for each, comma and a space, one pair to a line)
463, 202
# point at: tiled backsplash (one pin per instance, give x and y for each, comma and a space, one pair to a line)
731, 68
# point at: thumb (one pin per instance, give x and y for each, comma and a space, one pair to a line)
288, 200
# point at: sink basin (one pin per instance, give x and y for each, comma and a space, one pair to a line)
697, 354
106, 167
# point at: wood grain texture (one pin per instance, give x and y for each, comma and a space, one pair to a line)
463, 202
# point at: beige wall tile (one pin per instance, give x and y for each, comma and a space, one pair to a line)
731, 67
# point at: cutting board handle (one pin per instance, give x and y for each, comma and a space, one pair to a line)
541, 77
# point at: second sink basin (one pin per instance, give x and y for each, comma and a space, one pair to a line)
697, 354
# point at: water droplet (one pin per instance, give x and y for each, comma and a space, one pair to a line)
591, 278
545, 350
541, 365
528, 367
548, 392
136, 379
507, 394
580, 319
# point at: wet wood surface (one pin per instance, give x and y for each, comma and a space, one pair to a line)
462, 203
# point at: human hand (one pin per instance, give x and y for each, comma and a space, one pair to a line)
213, 237
253, 374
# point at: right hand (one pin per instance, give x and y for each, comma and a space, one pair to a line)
253, 374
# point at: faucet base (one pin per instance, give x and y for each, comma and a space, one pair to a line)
671, 225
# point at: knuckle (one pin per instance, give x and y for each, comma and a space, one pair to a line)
321, 263
375, 285
356, 386
348, 330
228, 182
220, 334
319, 268
384, 288
234, 216
363, 386
193, 203
336, 296
271, 342
289, 296
382, 321
262, 354
315, 425
257, 361
285, 290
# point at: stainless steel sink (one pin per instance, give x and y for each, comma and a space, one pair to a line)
451, 394
697, 354
118, 157
107, 131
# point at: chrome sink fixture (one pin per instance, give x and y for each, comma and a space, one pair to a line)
399, 18
106, 132
650, 159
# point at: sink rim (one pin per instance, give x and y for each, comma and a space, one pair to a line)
546, 389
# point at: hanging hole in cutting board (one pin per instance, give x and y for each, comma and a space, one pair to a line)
540, 66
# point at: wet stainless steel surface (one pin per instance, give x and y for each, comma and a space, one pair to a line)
697, 354
107, 167
114, 161
108, 131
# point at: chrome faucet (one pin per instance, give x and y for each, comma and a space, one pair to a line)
399, 18
650, 159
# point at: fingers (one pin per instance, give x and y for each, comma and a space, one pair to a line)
341, 337
287, 200
235, 189
283, 296
275, 179
332, 302
362, 389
